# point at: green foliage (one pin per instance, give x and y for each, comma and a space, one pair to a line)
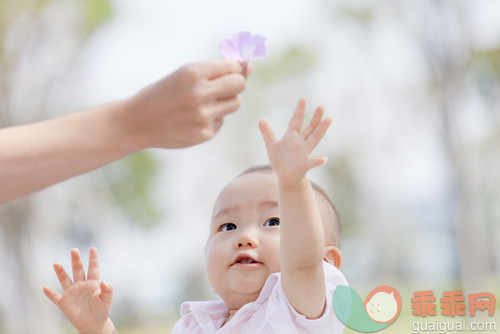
132, 180
97, 12
360, 14
486, 68
353, 11
295, 60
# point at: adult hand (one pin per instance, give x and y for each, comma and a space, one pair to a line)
183, 109
186, 107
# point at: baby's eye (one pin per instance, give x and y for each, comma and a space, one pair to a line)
227, 227
272, 222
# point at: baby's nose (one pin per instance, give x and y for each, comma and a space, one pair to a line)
248, 244
246, 241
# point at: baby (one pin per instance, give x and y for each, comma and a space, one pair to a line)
272, 253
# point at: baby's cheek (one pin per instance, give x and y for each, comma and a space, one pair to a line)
274, 256
213, 260
214, 274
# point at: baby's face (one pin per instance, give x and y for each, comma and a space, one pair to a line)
244, 240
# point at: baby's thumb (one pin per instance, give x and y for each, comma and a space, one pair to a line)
106, 292
315, 162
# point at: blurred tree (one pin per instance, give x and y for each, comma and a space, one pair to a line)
464, 92
135, 194
454, 59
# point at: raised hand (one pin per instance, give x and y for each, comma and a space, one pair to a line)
86, 302
290, 156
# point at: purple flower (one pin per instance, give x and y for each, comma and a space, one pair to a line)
243, 47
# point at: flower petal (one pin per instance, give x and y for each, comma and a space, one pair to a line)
244, 47
228, 49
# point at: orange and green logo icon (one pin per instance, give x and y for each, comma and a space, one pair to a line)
379, 310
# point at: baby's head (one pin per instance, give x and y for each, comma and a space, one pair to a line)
329, 215
243, 246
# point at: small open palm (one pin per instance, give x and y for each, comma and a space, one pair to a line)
290, 156
86, 302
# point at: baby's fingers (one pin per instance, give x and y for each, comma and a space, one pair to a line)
318, 134
315, 121
54, 296
267, 132
62, 276
298, 116
106, 292
77, 265
93, 272
315, 162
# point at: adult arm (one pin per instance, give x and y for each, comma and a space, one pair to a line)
183, 109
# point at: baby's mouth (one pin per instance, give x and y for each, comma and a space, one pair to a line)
245, 259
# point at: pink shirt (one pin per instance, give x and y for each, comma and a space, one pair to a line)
270, 313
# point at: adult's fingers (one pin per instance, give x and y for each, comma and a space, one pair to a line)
54, 296
77, 265
226, 106
226, 86
93, 272
216, 68
216, 125
249, 69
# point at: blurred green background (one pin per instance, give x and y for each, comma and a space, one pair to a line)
413, 87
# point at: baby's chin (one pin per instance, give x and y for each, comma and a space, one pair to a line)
247, 285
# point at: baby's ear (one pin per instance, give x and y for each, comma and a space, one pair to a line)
333, 256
